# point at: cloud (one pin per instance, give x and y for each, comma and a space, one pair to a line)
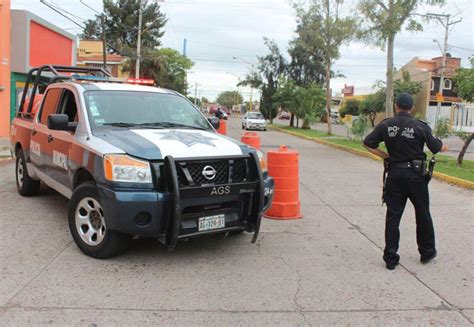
218, 30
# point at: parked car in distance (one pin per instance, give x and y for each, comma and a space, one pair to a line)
284, 115
254, 120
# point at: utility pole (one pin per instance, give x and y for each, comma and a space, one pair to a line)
195, 92
139, 41
104, 41
251, 91
445, 21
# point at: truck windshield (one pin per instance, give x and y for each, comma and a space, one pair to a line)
144, 109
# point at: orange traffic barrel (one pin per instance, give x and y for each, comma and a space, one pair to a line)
222, 127
252, 139
283, 167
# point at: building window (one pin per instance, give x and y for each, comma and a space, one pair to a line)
448, 85
432, 85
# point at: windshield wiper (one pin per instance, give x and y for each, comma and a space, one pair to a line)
171, 125
120, 124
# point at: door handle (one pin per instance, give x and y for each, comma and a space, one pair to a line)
50, 138
33, 132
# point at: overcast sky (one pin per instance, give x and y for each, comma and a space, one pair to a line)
218, 30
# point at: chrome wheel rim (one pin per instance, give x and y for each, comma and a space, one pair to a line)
90, 223
20, 173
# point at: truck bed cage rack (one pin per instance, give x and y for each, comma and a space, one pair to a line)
36, 78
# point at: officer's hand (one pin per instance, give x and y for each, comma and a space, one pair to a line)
444, 148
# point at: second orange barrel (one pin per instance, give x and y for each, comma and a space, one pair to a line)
222, 127
283, 167
252, 139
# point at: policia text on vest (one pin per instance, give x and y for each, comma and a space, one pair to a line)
407, 176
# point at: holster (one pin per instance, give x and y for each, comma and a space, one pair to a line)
431, 166
419, 167
384, 178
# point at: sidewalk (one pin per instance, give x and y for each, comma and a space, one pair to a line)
4, 148
454, 143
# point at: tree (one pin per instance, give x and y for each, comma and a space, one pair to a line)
385, 20
168, 68
229, 98
350, 107
121, 27
464, 82
305, 103
323, 28
269, 70
373, 104
309, 102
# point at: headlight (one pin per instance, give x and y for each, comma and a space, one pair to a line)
261, 158
123, 168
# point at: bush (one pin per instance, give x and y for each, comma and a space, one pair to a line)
443, 128
359, 128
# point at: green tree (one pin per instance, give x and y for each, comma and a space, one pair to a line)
269, 70
168, 68
121, 27
467, 138
385, 19
229, 98
322, 27
350, 107
309, 102
373, 104
464, 82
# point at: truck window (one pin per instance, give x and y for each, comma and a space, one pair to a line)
68, 106
49, 105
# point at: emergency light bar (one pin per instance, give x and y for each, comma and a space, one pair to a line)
141, 81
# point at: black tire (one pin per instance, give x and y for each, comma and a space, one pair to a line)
243, 127
112, 242
26, 185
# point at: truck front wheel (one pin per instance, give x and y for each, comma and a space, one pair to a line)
26, 185
87, 224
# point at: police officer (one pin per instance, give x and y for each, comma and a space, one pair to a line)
405, 138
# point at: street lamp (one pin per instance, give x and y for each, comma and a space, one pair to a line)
251, 72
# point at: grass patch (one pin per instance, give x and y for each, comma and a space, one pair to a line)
444, 164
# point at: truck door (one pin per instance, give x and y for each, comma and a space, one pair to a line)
62, 142
40, 144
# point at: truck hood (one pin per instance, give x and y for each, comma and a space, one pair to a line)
155, 144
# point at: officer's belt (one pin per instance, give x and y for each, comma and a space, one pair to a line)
408, 164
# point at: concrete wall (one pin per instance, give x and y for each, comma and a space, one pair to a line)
5, 64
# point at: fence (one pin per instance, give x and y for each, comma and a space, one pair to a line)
461, 116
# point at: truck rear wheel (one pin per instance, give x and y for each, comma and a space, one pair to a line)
25, 184
87, 224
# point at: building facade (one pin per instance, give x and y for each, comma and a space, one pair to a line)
427, 71
90, 54
35, 42
5, 64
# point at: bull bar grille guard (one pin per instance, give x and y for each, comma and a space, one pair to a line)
172, 228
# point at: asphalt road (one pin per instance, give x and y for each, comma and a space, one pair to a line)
323, 269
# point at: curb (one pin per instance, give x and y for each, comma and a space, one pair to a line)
5, 161
440, 176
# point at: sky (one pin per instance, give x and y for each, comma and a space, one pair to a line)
219, 30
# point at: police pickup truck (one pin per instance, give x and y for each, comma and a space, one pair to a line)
133, 160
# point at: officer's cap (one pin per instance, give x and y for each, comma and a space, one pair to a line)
404, 101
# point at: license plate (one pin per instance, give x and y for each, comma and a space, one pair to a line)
211, 222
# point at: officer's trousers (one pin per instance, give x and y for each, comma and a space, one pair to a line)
403, 184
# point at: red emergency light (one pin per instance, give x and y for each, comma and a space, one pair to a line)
141, 81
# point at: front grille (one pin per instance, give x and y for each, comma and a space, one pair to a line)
190, 173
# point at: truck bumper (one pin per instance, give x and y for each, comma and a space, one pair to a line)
148, 212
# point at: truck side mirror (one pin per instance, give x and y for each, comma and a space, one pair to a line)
60, 122
215, 122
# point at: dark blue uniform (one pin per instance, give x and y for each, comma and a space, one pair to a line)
405, 138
